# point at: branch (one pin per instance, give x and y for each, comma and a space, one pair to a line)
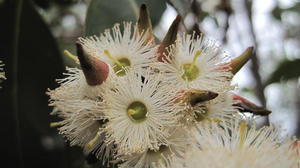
259, 88
297, 97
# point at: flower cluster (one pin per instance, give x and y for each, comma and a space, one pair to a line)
135, 103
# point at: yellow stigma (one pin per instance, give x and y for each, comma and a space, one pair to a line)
137, 111
116, 61
243, 133
197, 54
91, 143
71, 56
120, 64
56, 124
190, 70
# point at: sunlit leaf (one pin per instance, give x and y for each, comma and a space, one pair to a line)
286, 70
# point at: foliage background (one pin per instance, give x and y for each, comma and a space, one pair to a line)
34, 34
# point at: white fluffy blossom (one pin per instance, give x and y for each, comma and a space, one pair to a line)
240, 146
123, 50
219, 109
195, 63
162, 158
78, 104
140, 110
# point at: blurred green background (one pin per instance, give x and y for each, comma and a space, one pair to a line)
33, 34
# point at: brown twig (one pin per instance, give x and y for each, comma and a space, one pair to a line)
259, 89
226, 8
297, 102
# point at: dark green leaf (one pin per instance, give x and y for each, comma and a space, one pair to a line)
103, 14
295, 8
32, 63
286, 70
277, 11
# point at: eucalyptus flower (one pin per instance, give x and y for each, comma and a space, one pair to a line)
140, 110
164, 157
195, 64
217, 110
121, 49
240, 146
77, 104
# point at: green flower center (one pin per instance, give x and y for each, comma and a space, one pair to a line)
137, 111
190, 70
119, 68
120, 64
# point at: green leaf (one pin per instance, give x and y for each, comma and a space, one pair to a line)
286, 70
32, 63
103, 14
295, 8
277, 11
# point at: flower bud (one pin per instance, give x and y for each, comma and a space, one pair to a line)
95, 71
237, 63
245, 105
169, 39
195, 96
144, 23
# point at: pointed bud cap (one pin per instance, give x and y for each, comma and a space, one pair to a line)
245, 106
237, 63
169, 39
144, 23
195, 96
296, 145
95, 71
196, 31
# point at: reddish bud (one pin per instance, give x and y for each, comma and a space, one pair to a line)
95, 70
144, 23
245, 105
169, 39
